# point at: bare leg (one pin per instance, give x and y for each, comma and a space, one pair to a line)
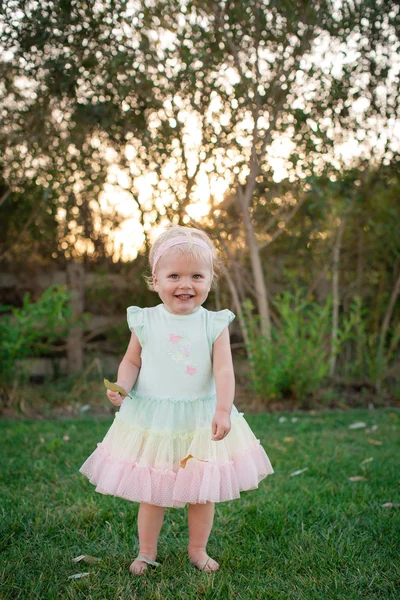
150, 520
200, 518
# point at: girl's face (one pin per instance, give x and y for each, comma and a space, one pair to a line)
182, 281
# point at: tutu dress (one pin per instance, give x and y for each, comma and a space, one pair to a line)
159, 448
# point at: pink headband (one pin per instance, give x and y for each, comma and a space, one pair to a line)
178, 240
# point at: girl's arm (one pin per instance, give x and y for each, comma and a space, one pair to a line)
224, 383
129, 367
128, 370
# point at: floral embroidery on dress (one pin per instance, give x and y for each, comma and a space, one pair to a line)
190, 370
186, 348
175, 338
181, 352
177, 355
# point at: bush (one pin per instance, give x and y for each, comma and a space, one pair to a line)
296, 361
29, 332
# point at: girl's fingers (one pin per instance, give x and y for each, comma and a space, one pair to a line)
219, 433
114, 397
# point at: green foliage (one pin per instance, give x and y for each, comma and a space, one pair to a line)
30, 330
371, 357
296, 360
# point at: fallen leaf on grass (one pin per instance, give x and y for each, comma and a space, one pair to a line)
373, 428
357, 478
78, 576
375, 442
279, 447
343, 406
42, 440
358, 425
288, 439
282, 419
89, 559
367, 460
390, 505
66, 438
298, 472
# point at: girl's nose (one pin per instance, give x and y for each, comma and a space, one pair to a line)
185, 283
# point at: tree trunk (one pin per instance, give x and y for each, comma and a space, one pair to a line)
76, 284
256, 265
238, 308
389, 311
336, 295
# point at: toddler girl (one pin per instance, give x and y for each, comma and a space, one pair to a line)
177, 438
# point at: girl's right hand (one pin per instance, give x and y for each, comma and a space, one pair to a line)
115, 398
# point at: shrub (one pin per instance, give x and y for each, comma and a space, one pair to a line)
29, 331
296, 360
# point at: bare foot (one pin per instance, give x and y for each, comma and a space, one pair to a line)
203, 562
138, 567
140, 563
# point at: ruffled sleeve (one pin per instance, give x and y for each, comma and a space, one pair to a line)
221, 320
135, 316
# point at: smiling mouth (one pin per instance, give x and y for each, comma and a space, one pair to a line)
184, 296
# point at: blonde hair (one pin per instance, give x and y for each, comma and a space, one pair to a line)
189, 248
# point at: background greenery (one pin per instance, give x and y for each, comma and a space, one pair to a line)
262, 97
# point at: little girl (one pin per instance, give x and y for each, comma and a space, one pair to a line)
177, 438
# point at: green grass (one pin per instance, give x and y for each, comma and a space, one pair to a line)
315, 536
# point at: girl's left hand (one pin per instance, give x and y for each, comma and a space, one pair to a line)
221, 425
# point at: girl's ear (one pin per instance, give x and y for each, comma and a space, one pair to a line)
155, 283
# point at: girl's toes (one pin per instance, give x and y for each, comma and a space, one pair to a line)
203, 562
137, 567
211, 565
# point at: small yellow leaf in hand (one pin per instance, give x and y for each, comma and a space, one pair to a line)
114, 387
374, 442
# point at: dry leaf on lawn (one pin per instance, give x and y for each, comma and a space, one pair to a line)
373, 428
375, 442
390, 505
89, 559
288, 439
367, 460
357, 478
78, 576
298, 472
343, 405
358, 425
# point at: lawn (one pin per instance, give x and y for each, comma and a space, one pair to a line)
316, 535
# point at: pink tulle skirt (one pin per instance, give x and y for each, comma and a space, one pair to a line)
145, 458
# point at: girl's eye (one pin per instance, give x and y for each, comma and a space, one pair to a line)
197, 276
173, 276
